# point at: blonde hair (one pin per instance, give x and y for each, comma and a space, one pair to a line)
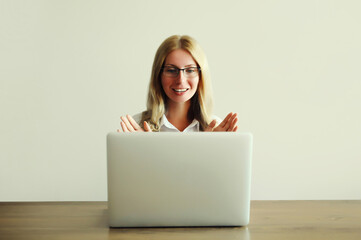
201, 102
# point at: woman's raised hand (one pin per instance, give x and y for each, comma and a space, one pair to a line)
227, 125
128, 124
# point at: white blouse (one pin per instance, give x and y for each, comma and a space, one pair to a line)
166, 126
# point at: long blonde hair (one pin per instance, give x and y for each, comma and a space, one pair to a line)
201, 102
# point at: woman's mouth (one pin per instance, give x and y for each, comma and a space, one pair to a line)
180, 90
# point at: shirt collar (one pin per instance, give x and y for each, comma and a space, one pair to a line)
193, 127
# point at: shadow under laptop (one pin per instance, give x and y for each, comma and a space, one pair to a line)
208, 233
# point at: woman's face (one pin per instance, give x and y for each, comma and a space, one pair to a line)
179, 88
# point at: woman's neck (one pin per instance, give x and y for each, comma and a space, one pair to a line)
177, 114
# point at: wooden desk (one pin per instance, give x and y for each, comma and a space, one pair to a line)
269, 220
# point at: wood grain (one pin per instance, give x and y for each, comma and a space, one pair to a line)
269, 220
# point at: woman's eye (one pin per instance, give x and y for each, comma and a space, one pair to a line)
190, 70
171, 70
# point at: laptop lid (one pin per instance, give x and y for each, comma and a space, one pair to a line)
179, 179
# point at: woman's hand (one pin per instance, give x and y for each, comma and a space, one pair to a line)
227, 125
128, 124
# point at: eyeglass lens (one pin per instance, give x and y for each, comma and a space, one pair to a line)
174, 71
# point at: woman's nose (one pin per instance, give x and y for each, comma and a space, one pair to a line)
181, 77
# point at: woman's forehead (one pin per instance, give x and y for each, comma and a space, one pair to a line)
180, 58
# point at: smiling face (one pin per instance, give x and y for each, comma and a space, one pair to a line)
181, 88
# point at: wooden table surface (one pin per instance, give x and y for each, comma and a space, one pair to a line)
269, 220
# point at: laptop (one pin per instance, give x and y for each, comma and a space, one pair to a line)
179, 179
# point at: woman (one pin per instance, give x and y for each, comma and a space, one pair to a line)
179, 97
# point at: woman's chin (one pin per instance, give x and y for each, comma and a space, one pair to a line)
180, 99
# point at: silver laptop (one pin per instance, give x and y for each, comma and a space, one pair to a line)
179, 179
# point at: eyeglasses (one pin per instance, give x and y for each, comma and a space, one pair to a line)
172, 71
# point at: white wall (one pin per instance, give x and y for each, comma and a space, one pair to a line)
69, 69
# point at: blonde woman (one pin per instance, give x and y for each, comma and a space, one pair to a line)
179, 97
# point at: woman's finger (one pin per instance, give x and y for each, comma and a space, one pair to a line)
229, 122
147, 127
233, 124
211, 126
134, 124
127, 123
224, 122
124, 127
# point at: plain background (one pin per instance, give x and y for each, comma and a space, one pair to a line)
70, 69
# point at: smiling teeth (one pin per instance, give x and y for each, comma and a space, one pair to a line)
180, 90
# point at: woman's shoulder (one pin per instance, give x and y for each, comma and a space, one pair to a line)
138, 117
